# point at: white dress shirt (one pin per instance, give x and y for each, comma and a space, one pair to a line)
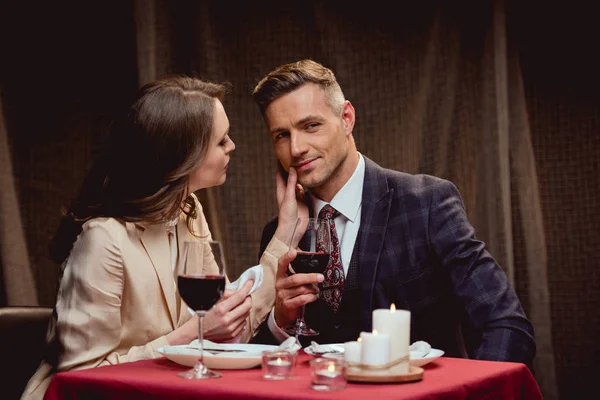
348, 202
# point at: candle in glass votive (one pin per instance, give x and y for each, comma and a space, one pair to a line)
277, 364
352, 352
328, 374
375, 348
395, 323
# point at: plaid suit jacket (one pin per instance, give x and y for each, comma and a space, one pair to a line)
418, 250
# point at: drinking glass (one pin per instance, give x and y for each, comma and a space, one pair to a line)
312, 241
201, 282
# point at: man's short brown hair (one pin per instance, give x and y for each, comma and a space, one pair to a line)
289, 77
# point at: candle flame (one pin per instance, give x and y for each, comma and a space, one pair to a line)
359, 340
392, 307
374, 331
331, 368
278, 360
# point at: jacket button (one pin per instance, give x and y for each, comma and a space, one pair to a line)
336, 326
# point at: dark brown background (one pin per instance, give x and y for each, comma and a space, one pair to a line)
66, 68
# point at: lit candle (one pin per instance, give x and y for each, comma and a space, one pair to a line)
279, 363
277, 368
352, 352
328, 374
395, 323
375, 348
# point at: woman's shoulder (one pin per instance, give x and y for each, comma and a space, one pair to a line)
105, 229
105, 223
98, 246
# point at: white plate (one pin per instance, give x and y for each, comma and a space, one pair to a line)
415, 362
187, 355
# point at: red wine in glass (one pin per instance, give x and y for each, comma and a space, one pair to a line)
201, 292
307, 262
201, 283
312, 241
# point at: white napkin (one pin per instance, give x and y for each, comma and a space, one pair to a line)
419, 349
290, 344
325, 348
255, 273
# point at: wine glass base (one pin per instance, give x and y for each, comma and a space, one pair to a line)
300, 331
195, 374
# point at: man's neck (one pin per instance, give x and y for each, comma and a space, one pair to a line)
329, 189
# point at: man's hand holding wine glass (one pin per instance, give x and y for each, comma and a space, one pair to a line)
293, 291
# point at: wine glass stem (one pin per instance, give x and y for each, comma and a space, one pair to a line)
300, 324
301, 316
200, 363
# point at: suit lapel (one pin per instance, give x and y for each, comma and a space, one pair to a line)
183, 235
376, 203
156, 242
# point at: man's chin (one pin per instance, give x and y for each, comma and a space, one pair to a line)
312, 178
309, 183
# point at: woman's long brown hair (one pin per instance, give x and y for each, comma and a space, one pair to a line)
142, 174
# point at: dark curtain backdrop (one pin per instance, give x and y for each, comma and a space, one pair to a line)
499, 97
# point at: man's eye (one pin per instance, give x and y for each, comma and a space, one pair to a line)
312, 126
282, 135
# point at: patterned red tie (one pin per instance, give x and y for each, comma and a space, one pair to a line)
334, 273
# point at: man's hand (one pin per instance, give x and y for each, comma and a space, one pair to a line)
292, 292
290, 198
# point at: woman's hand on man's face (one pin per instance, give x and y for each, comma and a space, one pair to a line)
290, 198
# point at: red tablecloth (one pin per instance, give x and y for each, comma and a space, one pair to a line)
445, 378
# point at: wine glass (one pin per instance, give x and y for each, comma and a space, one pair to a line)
201, 282
312, 241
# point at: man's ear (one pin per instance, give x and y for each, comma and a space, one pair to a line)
348, 117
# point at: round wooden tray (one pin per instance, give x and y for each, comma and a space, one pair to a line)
356, 374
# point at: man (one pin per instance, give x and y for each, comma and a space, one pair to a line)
403, 239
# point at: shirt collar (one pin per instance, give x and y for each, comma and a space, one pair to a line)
347, 201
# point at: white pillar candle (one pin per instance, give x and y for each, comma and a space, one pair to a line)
396, 324
352, 352
375, 348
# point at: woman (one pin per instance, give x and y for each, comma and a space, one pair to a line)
117, 301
